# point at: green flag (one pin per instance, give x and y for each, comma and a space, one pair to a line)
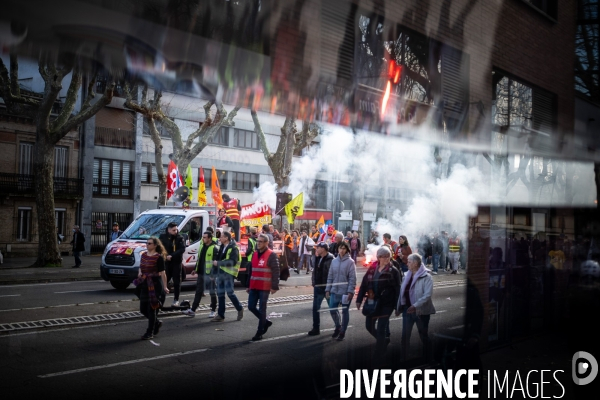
188, 179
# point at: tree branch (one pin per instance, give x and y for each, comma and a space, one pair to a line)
14, 75
133, 105
6, 83
91, 92
70, 101
261, 137
83, 115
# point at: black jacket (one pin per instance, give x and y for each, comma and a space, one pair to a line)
233, 258
174, 246
321, 271
388, 287
78, 241
437, 246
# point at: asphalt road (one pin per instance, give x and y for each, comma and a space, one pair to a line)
193, 356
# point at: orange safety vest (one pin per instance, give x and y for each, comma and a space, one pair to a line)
289, 245
231, 209
262, 277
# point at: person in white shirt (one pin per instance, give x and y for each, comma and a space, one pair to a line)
305, 251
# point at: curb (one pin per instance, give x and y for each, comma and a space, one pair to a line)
49, 280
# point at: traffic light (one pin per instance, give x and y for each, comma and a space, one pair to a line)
394, 74
282, 200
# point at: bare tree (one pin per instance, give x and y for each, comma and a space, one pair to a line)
50, 129
290, 141
151, 108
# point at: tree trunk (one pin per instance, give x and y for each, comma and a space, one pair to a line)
160, 173
48, 254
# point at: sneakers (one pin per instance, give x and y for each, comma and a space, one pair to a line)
314, 332
240, 314
147, 336
296, 270
454, 272
212, 314
257, 337
336, 333
189, 312
217, 318
341, 336
433, 273
175, 303
267, 326
157, 327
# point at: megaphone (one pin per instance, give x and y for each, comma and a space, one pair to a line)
181, 194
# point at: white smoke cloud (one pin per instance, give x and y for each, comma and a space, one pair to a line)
266, 194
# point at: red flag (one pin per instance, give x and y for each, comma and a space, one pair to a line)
201, 188
173, 179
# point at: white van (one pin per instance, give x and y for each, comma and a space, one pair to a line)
121, 259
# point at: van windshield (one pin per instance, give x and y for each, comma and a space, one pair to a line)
150, 225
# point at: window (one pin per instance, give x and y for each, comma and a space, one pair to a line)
318, 195
548, 7
223, 178
24, 224
59, 218
245, 139
587, 60
60, 161
161, 130
243, 181
193, 229
519, 106
112, 178
25, 158
221, 138
149, 173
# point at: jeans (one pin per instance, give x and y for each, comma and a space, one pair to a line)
292, 259
304, 259
403, 266
254, 297
454, 258
319, 295
204, 282
225, 285
422, 322
334, 302
77, 255
354, 254
379, 332
174, 271
436, 262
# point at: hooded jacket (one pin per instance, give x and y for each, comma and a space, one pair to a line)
420, 291
342, 276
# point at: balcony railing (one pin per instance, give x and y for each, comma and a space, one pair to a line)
111, 137
17, 184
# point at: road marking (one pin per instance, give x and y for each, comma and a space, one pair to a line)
141, 360
18, 285
292, 335
10, 295
79, 291
456, 327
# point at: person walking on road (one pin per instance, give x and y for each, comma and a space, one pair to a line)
354, 246
305, 251
334, 246
319, 283
227, 267
341, 282
380, 287
78, 245
151, 284
207, 253
437, 249
402, 253
174, 245
415, 304
263, 281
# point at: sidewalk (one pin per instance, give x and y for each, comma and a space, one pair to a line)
16, 270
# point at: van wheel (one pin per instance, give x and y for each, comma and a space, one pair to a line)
120, 285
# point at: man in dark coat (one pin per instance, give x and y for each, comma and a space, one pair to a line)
174, 245
319, 282
78, 245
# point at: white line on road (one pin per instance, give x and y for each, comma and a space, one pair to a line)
76, 371
80, 291
18, 285
456, 327
10, 295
